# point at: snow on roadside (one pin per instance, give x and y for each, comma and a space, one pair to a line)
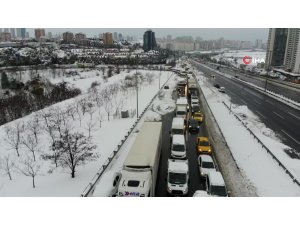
259, 167
57, 182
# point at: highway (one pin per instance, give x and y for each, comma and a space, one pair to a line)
277, 116
192, 156
287, 91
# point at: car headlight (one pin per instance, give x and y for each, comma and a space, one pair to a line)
190, 126
198, 126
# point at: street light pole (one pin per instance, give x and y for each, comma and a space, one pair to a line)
270, 52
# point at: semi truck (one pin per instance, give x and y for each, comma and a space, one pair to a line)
139, 173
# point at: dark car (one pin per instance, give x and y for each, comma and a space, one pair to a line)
217, 85
166, 87
193, 125
195, 108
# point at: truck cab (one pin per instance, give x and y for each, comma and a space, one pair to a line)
178, 177
134, 184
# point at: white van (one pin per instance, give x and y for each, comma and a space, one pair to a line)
215, 185
178, 177
178, 126
178, 149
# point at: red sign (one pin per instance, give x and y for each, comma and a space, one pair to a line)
247, 59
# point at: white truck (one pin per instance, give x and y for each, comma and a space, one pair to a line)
178, 177
139, 173
182, 107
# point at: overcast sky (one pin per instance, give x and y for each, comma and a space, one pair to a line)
247, 34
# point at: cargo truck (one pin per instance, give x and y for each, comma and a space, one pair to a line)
139, 173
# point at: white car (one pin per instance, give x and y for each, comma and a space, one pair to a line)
201, 193
107, 185
222, 89
215, 185
194, 101
206, 164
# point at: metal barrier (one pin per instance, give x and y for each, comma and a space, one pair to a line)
265, 147
102, 169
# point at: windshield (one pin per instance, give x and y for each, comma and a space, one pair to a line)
196, 108
198, 114
177, 131
208, 165
178, 148
193, 122
177, 178
180, 113
133, 183
204, 143
218, 190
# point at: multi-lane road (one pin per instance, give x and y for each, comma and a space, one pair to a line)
195, 182
282, 119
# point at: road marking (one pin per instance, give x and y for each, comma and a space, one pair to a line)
278, 115
290, 137
244, 101
294, 115
260, 114
270, 102
257, 102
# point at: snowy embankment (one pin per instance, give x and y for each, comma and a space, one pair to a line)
97, 114
262, 171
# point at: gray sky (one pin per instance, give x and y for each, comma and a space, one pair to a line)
247, 34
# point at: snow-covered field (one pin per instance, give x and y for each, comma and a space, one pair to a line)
52, 181
258, 166
236, 57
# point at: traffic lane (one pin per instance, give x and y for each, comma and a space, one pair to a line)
161, 183
278, 119
271, 86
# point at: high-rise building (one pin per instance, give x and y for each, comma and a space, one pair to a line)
5, 36
258, 43
292, 51
107, 39
39, 33
23, 33
100, 36
13, 32
276, 47
80, 36
18, 32
115, 36
68, 37
120, 37
149, 41
50, 35
27, 35
6, 30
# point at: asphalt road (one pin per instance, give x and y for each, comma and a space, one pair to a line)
282, 119
192, 156
287, 91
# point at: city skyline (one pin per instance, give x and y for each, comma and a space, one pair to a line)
247, 34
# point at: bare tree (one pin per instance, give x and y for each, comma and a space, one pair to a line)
75, 149
13, 136
49, 127
6, 164
90, 125
30, 143
30, 168
34, 127
106, 94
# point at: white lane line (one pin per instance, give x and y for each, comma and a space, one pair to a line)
243, 101
278, 115
257, 102
294, 115
290, 137
260, 114
270, 102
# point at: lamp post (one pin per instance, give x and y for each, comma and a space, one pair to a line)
270, 52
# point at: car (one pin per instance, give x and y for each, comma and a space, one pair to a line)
195, 108
194, 96
198, 116
201, 193
222, 89
194, 101
107, 185
206, 164
166, 87
215, 185
217, 86
203, 145
193, 125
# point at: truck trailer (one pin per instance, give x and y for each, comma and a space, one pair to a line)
139, 173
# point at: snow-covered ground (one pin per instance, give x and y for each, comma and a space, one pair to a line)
236, 57
258, 166
52, 181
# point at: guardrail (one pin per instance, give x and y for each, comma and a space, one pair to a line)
295, 180
102, 169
